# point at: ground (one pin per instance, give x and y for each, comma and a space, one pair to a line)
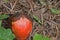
50, 23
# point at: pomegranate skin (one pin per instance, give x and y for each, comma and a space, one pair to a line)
22, 28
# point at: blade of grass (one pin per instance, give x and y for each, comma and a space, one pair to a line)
42, 2
37, 19
5, 1
3, 16
54, 11
0, 23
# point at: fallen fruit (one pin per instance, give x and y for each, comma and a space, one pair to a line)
21, 27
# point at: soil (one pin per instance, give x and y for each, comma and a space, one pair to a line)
50, 23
